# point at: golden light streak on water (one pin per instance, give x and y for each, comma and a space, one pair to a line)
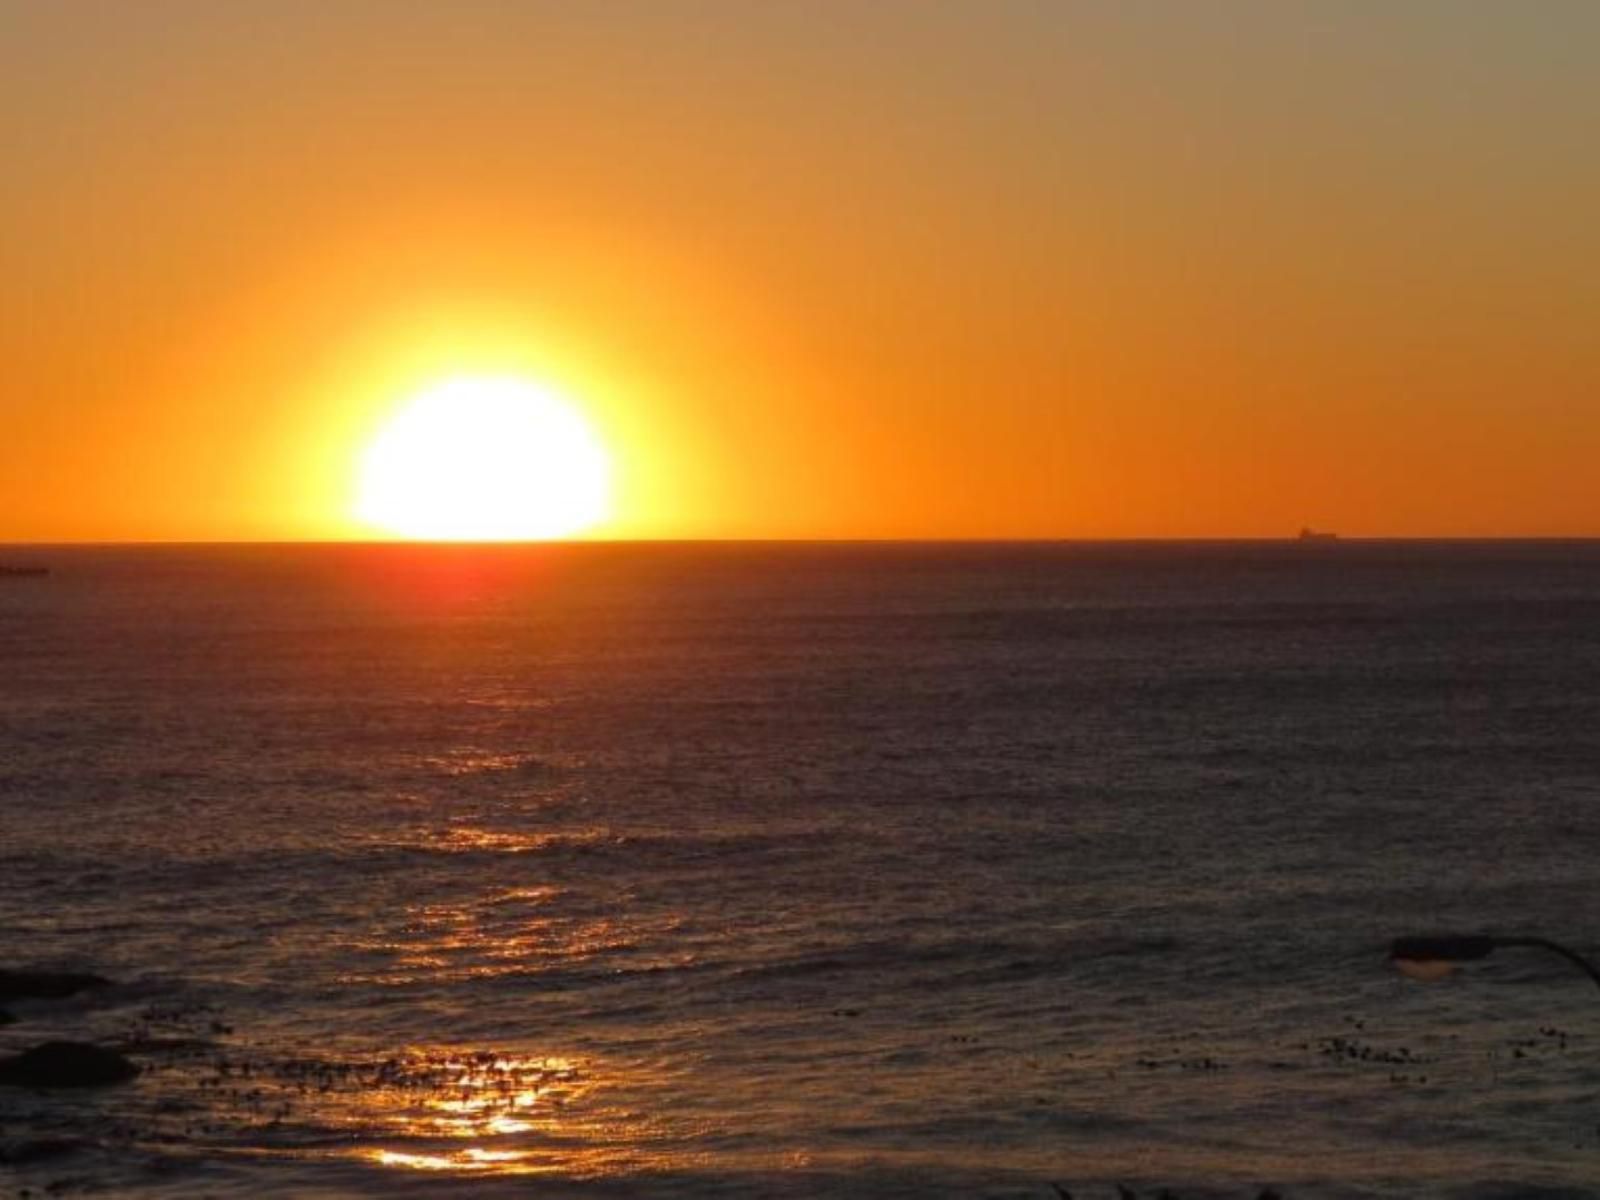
473, 1159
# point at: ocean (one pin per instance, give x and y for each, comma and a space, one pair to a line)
794, 870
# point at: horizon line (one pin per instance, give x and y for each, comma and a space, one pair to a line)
466, 543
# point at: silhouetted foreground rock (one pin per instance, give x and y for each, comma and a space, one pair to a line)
36, 1150
66, 1064
46, 985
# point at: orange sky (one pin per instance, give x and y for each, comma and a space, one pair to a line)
925, 269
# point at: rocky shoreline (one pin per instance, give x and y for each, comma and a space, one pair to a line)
58, 1063
62, 1063
55, 1063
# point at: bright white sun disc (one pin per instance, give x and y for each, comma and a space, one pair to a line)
485, 459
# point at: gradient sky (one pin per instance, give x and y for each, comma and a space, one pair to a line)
813, 269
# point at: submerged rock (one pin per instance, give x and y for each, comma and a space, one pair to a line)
66, 1064
47, 985
36, 1150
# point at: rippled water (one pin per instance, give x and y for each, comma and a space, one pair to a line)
804, 870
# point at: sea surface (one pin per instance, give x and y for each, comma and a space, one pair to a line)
804, 870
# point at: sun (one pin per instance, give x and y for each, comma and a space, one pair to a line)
484, 459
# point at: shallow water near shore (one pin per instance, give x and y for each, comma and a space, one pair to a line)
806, 870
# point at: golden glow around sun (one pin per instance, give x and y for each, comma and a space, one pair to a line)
485, 459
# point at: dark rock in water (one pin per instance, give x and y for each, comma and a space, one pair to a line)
6, 1018
21, 1154
47, 985
66, 1064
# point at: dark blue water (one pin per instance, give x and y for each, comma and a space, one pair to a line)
806, 870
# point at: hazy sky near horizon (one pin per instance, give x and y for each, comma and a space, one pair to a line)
812, 269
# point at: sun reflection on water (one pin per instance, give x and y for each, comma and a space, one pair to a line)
434, 1108
473, 1159
521, 922
444, 1111
509, 1115
466, 839
473, 1111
